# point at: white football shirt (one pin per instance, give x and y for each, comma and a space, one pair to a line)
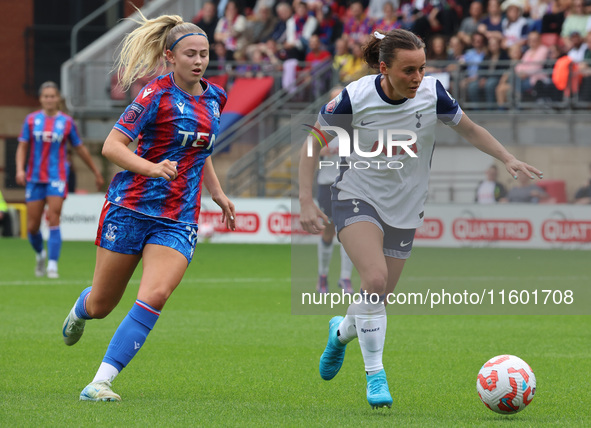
398, 195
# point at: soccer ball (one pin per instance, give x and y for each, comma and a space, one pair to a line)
506, 384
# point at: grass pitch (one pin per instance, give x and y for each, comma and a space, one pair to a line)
228, 352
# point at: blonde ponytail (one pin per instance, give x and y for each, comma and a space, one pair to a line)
142, 50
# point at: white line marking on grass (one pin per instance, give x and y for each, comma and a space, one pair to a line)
84, 282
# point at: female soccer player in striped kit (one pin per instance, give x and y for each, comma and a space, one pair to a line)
377, 210
153, 205
45, 135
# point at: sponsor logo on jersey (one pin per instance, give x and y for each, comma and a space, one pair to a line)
181, 106
134, 111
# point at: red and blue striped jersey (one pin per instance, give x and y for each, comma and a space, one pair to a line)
175, 125
47, 137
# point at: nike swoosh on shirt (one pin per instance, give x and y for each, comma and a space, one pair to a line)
367, 123
403, 244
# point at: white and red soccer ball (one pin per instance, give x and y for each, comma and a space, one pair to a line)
506, 384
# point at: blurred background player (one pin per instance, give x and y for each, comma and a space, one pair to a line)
152, 205
326, 177
45, 134
376, 211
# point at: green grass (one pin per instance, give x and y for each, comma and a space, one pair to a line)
228, 352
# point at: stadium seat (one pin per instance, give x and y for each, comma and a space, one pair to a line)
245, 95
556, 190
220, 80
550, 39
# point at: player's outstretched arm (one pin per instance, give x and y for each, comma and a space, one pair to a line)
484, 141
116, 149
212, 184
309, 211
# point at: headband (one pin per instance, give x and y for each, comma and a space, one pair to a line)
377, 35
186, 35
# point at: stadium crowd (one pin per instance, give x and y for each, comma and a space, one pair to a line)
536, 46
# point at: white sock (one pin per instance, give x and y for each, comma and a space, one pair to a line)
106, 372
371, 323
41, 255
347, 329
346, 264
324, 256
52, 265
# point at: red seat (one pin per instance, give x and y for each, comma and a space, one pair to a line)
556, 189
220, 80
550, 39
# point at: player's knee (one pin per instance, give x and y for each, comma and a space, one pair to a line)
375, 282
157, 298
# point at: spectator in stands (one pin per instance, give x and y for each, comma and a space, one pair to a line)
330, 27
231, 27
355, 67
554, 18
514, 26
389, 20
535, 10
437, 17
585, 72
5, 220
341, 54
491, 26
356, 26
583, 195
472, 59
316, 57
576, 21
222, 56
436, 51
489, 190
299, 29
505, 87
284, 12
489, 72
470, 23
260, 27
525, 191
530, 69
207, 19
577, 47
376, 9
455, 54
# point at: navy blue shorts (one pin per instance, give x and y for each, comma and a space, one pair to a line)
324, 202
40, 191
397, 242
127, 232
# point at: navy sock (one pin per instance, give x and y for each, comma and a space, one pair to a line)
131, 334
80, 308
54, 243
36, 241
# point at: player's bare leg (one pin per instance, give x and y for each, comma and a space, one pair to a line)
369, 316
163, 269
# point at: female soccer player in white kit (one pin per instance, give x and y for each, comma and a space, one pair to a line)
376, 210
